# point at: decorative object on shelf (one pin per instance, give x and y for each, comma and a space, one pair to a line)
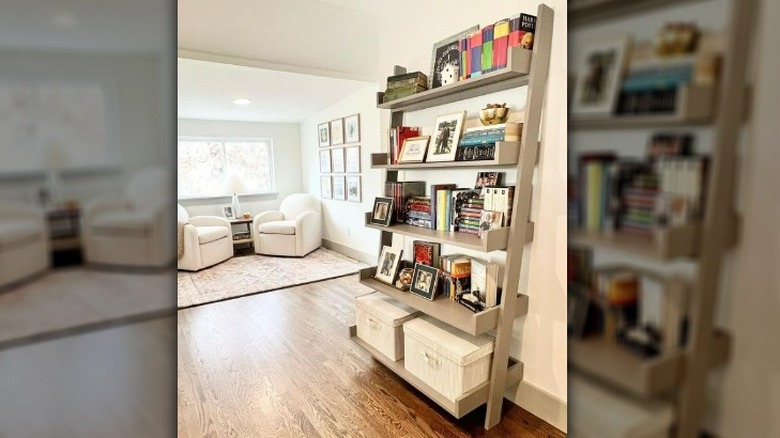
228, 212
382, 213
490, 220
325, 161
337, 132
405, 278
326, 189
424, 281
388, 264
339, 188
446, 60
447, 131
353, 188
599, 77
246, 215
353, 159
677, 39
236, 205
413, 149
337, 158
352, 129
324, 134
494, 113
405, 84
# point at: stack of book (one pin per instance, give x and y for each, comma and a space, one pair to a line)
487, 49
455, 278
464, 221
479, 143
418, 211
405, 85
396, 137
499, 200
401, 192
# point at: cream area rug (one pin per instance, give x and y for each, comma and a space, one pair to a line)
251, 274
67, 301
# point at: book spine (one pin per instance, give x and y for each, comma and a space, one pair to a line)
481, 139
476, 53
463, 51
500, 42
487, 48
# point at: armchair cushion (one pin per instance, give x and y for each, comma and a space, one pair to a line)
211, 233
15, 230
123, 220
278, 227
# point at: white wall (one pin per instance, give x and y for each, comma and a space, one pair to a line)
287, 161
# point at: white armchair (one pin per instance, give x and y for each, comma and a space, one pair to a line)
294, 230
136, 230
205, 241
24, 243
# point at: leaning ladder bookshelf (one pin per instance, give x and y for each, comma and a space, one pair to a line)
525, 68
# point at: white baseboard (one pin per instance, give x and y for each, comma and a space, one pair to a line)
350, 252
541, 403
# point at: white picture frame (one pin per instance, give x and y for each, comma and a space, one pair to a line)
323, 130
337, 132
337, 159
446, 136
228, 213
352, 159
352, 129
339, 188
325, 161
599, 75
354, 189
387, 265
326, 190
413, 150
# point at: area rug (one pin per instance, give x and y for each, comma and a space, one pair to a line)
251, 274
67, 301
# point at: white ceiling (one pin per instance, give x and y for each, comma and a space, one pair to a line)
206, 90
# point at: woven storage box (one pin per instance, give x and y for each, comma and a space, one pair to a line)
379, 319
451, 361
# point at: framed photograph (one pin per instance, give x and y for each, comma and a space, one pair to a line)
446, 135
599, 74
337, 132
324, 134
387, 266
353, 188
424, 281
325, 161
326, 190
352, 129
413, 150
445, 60
382, 212
339, 191
353, 159
227, 211
337, 158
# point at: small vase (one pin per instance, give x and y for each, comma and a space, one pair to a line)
236, 206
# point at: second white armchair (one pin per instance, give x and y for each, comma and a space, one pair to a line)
293, 230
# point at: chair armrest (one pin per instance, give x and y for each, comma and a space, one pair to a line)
103, 205
308, 220
209, 221
267, 216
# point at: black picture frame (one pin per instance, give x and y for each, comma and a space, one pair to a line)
445, 53
382, 213
424, 281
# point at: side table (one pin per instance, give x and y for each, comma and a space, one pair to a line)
242, 234
64, 235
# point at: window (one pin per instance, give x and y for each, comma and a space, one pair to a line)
218, 167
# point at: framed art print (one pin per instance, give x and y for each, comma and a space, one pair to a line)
324, 133
326, 190
337, 158
381, 214
445, 60
599, 75
337, 132
228, 213
413, 150
325, 161
352, 129
339, 190
388, 264
424, 281
353, 188
353, 159
446, 135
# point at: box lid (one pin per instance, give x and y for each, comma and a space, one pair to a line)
386, 309
459, 347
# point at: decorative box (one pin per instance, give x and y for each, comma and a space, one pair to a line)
379, 323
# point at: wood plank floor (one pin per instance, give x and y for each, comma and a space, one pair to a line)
281, 364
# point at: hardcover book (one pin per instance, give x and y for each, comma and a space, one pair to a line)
459, 197
500, 43
426, 253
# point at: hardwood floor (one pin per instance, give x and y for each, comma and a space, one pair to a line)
281, 364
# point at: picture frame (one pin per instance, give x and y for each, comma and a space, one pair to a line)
339, 189
387, 266
337, 158
446, 59
424, 281
228, 213
326, 189
323, 130
382, 213
354, 189
353, 159
352, 129
599, 76
413, 150
446, 136
337, 132
325, 161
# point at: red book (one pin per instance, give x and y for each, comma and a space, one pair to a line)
500, 43
398, 135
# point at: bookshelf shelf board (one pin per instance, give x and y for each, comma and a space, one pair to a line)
614, 364
507, 154
665, 244
514, 75
590, 11
460, 407
444, 309
493, 240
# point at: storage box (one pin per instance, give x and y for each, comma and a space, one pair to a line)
451, 361
379, 319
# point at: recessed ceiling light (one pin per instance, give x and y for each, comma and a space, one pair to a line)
242, 101
64, 20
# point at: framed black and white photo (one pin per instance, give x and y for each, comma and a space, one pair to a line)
445, 60
352, 129
339, 189
325, 161
353, 159
353, 188
599, 75
446, 135
424, 281
337, 132
326, 190
382, 213
413, 150
324, 134
227, 211
337, 158
387, 266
